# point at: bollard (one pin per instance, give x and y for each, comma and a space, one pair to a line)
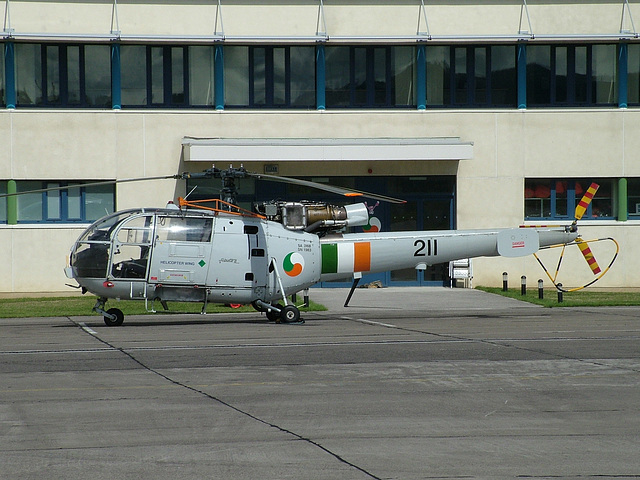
559, 287
540, 289
523, 285
306, 297
505, 281
294, 298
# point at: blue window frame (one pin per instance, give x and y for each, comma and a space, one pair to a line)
51, 75
633, 74
154, 75
633, 198
556, 199
3, 99
373, 76
75, 204
318, 76
572, 75
475, 76
270, 76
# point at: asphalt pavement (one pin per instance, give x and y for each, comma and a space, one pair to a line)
405, 383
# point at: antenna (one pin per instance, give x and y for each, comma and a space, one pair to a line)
192, 190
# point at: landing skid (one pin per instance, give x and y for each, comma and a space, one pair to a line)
276, 313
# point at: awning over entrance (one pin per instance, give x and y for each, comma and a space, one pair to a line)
324, 149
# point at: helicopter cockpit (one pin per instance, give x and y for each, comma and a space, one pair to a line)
90, 253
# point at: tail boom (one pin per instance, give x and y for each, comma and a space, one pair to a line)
344, 255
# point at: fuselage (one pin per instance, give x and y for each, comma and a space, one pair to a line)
197, 255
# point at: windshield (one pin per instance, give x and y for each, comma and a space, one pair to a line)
90, 254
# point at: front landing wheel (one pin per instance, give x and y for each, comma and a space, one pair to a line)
290, 314
117, 320
274, 316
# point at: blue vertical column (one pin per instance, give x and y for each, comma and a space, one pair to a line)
116, 82
521, 65
421, 73
218, 73
320, 77
10, 74
623, 72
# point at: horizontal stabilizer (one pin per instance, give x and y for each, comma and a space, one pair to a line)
518, 242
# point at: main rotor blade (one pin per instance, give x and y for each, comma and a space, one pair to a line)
347, 192
588, 255
586, 200
90, 184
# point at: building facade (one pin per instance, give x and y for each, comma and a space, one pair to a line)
480, 114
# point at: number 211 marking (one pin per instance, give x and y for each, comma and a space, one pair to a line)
421, 245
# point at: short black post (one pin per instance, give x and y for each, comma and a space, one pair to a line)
540, 289
505, 281
523, 285
559, 287
306, 297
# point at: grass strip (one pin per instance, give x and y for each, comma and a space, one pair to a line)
79, 306
581, 298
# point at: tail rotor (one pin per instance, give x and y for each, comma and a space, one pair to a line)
583, 245
581, 209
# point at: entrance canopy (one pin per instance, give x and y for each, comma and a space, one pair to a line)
324, 149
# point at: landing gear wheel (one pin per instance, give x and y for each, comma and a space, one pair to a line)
116, 322
274, 316
290, 314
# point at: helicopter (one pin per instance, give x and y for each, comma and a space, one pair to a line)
212, 251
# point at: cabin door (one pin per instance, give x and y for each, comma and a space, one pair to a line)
181, 250
239, 255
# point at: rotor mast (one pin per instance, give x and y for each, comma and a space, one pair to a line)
229, 191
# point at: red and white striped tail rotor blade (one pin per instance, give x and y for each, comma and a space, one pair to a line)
586, 200
588, 256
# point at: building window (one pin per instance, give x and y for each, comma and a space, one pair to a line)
633, 198
633, 78
201, 76
63, 75
471, 76
155, 76
73, 204
370, 76
3, 98
270, 77
571, 75
553, 199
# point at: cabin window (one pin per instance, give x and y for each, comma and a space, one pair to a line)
177, 229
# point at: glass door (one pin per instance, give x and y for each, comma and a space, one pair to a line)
424, 214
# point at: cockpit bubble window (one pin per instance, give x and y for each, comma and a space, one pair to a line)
101, 230
136, 231
179, 229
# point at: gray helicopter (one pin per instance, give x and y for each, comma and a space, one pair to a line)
215, 252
